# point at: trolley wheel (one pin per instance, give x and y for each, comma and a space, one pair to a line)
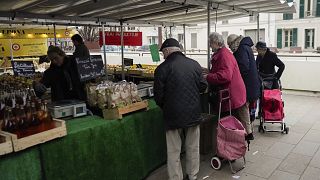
216, 163
286, 130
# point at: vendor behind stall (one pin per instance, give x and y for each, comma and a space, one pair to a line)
61, 77
81, 50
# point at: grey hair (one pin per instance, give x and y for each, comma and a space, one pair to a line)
173, 49
217, 38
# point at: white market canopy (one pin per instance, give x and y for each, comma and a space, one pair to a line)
133, 12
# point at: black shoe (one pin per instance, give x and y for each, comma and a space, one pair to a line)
249, 137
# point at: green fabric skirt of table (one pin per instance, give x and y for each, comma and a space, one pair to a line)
99, 149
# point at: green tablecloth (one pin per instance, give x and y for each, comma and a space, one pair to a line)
95, 149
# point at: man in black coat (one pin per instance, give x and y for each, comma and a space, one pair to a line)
177, 87
241, 47
266, 63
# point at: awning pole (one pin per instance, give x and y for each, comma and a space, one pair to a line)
184, 39
209, 6
122, 55
55, 34
104, 51
170, 35
11, 50
258, 27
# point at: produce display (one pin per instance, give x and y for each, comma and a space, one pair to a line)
19, 106
110, 95
137, 69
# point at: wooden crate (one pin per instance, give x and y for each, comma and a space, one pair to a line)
117, 113
135, 72
5, 144
148, 75
59, 130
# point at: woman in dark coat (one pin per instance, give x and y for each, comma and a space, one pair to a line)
241, 47
62, 77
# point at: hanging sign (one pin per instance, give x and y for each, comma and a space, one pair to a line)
154, 49
114, 38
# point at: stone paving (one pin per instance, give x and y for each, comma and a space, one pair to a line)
276, 156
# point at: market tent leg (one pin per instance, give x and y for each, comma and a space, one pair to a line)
184, 39
104, 51
122, 55
55, 34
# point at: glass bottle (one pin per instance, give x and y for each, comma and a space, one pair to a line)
35, 119
47, 114
28, 112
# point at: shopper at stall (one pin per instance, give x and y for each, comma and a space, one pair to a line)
81, 50
241, 48
177, 87
266, 63
61, 77
225, 74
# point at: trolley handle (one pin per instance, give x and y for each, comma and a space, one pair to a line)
224, 95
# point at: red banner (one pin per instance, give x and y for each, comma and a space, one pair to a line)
129, 38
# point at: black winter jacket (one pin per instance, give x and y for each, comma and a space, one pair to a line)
64, 81
177, 87
248, 69
267, 64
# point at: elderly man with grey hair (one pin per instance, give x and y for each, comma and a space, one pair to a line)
225, 74
177, 87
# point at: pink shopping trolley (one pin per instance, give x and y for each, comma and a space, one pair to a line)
231, 144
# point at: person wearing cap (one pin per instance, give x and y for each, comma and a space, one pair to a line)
81, 50
225, 74
61, 77
177, 87
241, 48
266, 63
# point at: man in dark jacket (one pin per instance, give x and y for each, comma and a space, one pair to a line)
177, 87
81, 50
61, 77
266, 63
241, 48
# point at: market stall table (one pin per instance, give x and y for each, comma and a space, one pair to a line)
95, 149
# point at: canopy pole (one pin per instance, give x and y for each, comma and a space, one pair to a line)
215, 24
208, 49
184, 39
122, 55
55, 34
11, 50
170, 35
258, 27
104, 51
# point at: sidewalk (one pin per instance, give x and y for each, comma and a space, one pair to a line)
276, 156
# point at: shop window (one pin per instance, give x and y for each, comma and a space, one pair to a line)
180, 38
309, 39
194, 40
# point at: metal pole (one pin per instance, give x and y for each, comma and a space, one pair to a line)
122, 58
258, 27
104, 51
209, 6
55, 34
184, 39
11, 50
170, 35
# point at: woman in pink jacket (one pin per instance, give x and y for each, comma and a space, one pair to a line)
225, 74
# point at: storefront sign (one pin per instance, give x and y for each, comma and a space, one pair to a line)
90, 68
35, 33
129, 38
23, 68
23, 47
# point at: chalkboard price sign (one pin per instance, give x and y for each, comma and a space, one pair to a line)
23, 68
90, 68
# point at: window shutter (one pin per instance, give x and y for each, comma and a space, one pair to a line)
305, 38
301, 11
318, 8
287, 16
279, 38
294, 37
